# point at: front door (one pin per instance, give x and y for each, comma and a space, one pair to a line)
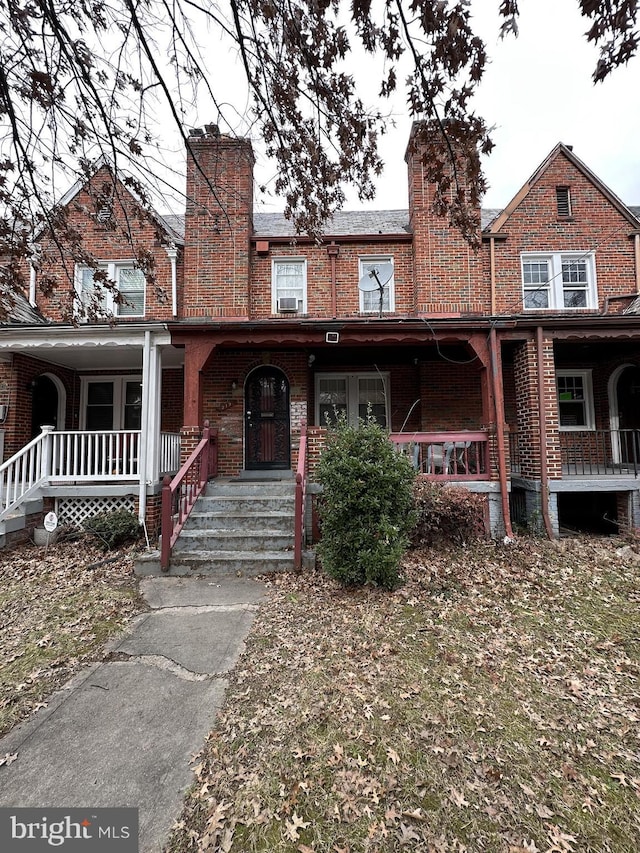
44, 404
628, 392
267, 429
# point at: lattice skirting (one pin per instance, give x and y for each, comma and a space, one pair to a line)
74, 511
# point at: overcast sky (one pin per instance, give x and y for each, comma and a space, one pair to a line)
537, 92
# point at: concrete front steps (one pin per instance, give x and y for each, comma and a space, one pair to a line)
239, 526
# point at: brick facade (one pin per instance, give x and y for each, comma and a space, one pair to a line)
432, 349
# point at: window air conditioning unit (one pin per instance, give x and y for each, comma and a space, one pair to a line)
287, 305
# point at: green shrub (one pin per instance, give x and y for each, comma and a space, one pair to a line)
366, 505
113, 529
446, 514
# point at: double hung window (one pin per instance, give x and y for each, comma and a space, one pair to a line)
289, 286
114, 289
559, 281
575, 400
381, 298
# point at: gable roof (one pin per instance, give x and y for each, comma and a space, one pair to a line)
566, 151
16, 310
174, 235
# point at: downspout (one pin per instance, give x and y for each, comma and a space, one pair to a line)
32, 284
492, 273
333, 250
172, 252
636, 246
498, 401
544, 476
144, 429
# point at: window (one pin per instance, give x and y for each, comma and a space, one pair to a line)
289, 286
353, 394
559, 281
112, 402
370, 300
575, 400
563, 200
130, 283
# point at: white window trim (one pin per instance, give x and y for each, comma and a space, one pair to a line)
587, 384
274, 288
119, 384
555, 284
382, 259
111, 307
352, 392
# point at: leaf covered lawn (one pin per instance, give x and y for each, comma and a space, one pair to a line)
58, 607
491, 703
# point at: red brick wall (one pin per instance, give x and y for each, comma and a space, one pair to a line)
448, 271
451, 396
130, 235
172, 400
218, 223
528, 409
535, 227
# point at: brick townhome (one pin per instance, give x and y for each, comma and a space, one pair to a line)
514, 370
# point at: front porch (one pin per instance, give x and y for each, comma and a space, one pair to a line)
84, 472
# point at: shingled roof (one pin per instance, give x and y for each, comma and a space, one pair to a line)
345, 223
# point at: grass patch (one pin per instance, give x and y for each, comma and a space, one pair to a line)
491, 703
60, 605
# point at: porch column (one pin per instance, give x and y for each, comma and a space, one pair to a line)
196, 355
153, 402
537, 411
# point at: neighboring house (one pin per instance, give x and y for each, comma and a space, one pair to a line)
514, 370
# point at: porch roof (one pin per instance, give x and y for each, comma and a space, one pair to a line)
89, 347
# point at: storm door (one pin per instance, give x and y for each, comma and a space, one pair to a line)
267, 429
628, 392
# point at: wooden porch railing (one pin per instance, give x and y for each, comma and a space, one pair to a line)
300, 499
94, 455
446, 456
21, 475
180, 494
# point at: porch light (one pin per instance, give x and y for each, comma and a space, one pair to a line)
234, 384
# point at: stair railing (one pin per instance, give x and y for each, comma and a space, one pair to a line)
180, 494
21, 475
300, 499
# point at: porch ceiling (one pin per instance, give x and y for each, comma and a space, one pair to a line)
90, 348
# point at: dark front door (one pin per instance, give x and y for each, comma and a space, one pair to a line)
44, 404
629, 414
267, 434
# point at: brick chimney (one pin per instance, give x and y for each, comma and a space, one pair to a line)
447, 268
218, 225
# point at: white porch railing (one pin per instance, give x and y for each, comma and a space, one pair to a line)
84, 455
169, 453
67, 456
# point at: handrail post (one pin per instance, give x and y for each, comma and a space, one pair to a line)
299, 508
204, 465
47, 450
166, 527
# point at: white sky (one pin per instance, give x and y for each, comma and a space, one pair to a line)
537, 91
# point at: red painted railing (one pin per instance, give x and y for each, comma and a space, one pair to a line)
300, 501
450, 456
180, 494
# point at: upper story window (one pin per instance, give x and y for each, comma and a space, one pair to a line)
575, 400
289, 286
563, 200
559, 281
130, 284
377, 300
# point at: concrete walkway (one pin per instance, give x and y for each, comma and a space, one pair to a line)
123, 732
